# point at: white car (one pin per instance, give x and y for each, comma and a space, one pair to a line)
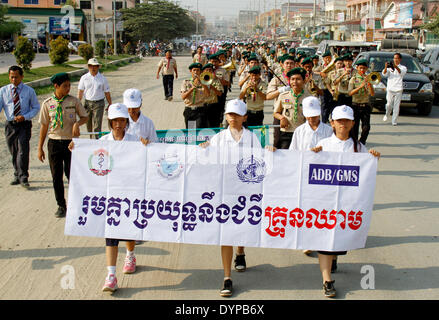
74, 45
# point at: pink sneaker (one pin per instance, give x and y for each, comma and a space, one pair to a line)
110, 283
130, 264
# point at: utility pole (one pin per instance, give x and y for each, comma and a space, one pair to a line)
288, 19
93, 39
114, 28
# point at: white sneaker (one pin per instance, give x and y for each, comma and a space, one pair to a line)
394, 124
385, 118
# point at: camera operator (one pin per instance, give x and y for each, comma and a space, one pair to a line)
394, 71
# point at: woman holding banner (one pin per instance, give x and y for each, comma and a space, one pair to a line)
342, 140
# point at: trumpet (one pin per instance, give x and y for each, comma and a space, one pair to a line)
206, 78
373, 78
251, 91
231, 66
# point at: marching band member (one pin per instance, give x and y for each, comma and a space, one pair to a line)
254, 92
342, 140
194, 95
245, 75
211, 104
342, 79
330, 83
327, 97
310, 84
360, 90
224, 78
288, 108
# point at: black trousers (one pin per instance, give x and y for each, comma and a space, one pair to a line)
197, 115
276, 133
361, 114
255, 118
59, 161
168, 85
222, 105
213, 113
327, 105
18, 135
343, 99
285, 139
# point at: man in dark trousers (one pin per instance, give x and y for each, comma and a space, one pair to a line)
20, 104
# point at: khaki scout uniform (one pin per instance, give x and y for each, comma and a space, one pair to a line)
167, 70
194, 105
59, 155
254, 101
361, 107
71, 108
200, 58
275, 84
213, 98
286, 105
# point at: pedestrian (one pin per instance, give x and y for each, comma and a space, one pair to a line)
139, 125
94, 87
118, 122
254, 91
235, 136
58, 120
20, 104
342, 140
200, 57
288, 108
395, 73
168, 66
194, 94
360, 90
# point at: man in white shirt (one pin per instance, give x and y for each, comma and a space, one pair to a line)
395, 75
139, 124
93, 86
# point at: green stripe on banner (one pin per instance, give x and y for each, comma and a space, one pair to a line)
197, 136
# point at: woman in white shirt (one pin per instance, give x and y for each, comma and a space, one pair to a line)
341, 141
236, 135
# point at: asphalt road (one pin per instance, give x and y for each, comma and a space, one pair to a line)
400, 261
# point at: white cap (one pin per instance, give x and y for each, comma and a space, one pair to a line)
132, 98
342, 112
236, 106
311, 107
117, 110
93, 62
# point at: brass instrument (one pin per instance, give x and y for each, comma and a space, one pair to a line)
331, 65
231, 66
206, 78
251, 91
374, 78
312, 86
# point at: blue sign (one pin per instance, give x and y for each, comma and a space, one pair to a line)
334, 175
59, 26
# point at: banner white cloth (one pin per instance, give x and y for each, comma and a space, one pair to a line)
214, 196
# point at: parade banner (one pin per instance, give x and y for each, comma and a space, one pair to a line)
215, 196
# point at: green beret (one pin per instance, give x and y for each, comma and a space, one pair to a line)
195, 65
348, 56
220, 52
288, 57
307, 60
361, 62
255, 69
339, 59
206, 66
315, 57
59, 78
292, 50
327, 54
214, 56
272, 51
299, 71
252, 57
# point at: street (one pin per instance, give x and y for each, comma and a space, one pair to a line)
400, 261
41, 60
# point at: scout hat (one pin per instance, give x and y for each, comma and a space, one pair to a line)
93, 62
348, 56
206, 66
252, 57
311, 107
59, 78
195, 65
306, 61
117, 110
132, 98
236, 106
214, 56
299, 71
327, 54
255, 69
292, 50
342, 112
361, 62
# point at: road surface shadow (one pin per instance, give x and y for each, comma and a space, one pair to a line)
407, 206
411, 174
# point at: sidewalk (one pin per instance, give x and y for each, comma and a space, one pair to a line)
41, 60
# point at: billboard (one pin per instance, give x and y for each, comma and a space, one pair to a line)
400, 16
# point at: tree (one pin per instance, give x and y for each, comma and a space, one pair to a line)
59, 50
157, 19
8, 26
86, 51
432, 25
24, 53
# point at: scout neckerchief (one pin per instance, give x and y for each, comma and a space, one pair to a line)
58, 114
362, 90
296, 103
194, 92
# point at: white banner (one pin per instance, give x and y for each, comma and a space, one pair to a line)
240, 197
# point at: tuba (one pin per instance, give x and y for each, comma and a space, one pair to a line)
206, 78
373, 78
331, 65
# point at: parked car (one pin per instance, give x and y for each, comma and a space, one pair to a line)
309, 50
431, 62
418, 90
339, 46
74, 45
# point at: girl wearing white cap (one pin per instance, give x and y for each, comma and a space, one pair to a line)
236, 135
342, 140
118, 122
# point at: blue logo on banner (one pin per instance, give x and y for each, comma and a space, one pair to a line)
334, 175
251, 170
